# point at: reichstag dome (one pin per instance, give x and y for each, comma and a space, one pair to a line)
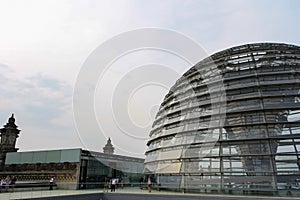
231, 123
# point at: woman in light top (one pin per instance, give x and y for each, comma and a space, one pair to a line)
149, 182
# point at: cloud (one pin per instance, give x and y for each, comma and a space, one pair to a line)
34, 138
39, 102
245, 22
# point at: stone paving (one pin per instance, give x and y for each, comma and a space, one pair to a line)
130, 194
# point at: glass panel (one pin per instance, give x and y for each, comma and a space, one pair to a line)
53, 156
39, 157
70, 155
233, 165
191, 167
169, 167
170, 154
286, 149
152, 156
151, 167
12, 158
26, 157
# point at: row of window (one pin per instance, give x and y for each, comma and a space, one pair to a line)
201, 149
233, 166
286, 96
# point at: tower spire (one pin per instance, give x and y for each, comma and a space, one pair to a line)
9, 134
108, 148
11, 122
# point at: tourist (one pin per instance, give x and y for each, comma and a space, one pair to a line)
13, 183
149, 183
7, 182
106, 184
201, 172
51, 183
113, 185
121, 183
141, 180
1, 184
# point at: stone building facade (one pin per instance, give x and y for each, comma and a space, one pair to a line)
9, 135
72, 168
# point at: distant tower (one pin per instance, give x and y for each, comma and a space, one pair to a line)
108, 148
9, 135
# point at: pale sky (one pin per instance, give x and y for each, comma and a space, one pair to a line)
45, 43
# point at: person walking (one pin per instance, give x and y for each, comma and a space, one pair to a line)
106, 184
121, 183
13, 183
113, 185
149, 183
51, 182
1, 184
7, 182
141, 180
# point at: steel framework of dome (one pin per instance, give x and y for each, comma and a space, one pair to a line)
231, 123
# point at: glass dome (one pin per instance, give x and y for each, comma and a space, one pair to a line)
231, 123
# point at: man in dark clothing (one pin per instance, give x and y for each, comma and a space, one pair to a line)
51, 183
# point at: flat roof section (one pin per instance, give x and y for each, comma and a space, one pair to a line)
47, 156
